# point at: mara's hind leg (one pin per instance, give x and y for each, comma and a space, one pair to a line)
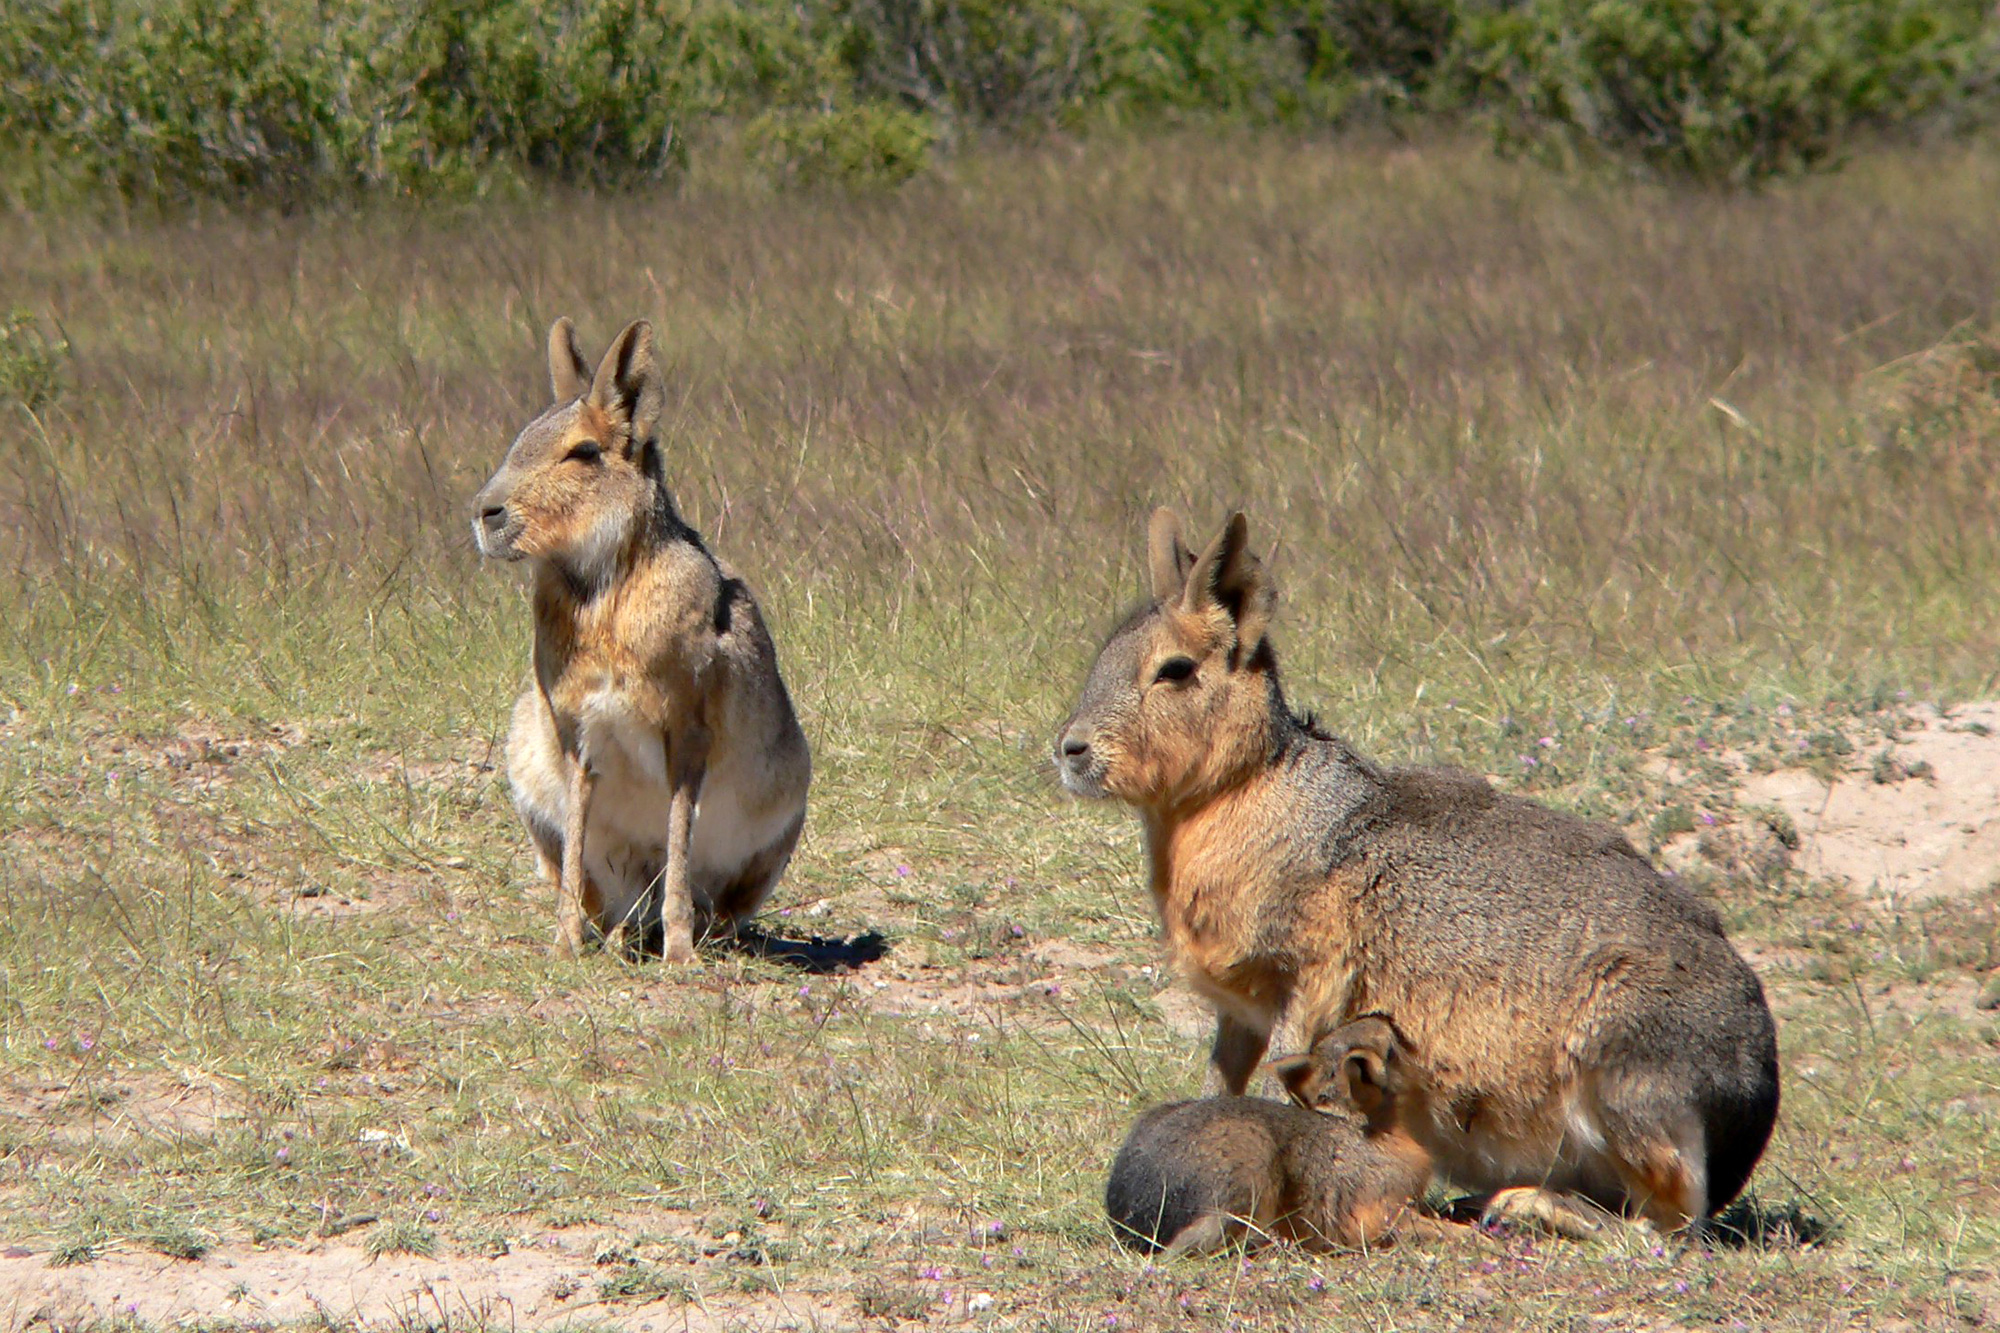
1204, 1235
739, 897
1651, 1136
1664, 1183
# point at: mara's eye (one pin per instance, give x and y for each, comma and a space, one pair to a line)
588, 451
1175, 669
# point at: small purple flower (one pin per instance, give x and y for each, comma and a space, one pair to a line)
1701, 742
434, 1191
996, 1229
1547, 742
1529, 761
902, 872
50, 1044
1017, 931
115, 687
1316, 1284
1111, 1321
1053, 989
320, 1082
931, 1273
282, 1156
784, 911
805, 992
1681, 1286
132, 1309
1707, 818
432, 1215
1784, 710
451, 916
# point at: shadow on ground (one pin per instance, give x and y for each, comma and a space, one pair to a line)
812, 953
1752, 1224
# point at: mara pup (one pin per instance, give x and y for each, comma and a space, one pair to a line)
1196, 1176
656, 759
1588, 1029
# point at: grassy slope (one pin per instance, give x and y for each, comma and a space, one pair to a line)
1617, 466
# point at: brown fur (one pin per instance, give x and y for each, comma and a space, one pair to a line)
1588, 1026
1338, 1170
656, 761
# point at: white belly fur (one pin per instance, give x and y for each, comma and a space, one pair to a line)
624, 844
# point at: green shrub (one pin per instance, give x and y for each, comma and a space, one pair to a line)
1010, 63
170, 99
30, 362
1735, 90
1398, 46
875, 144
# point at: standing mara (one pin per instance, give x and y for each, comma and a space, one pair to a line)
1587, 1028
656, 759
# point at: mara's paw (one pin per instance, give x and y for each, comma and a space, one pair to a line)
568, 942
678, 949
1548, 1211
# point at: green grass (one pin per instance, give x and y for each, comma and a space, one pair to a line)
1647, 473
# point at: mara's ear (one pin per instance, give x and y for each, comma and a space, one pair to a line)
569, 376
1167, 556
1229, 576
627, 385
1367, 1078
1296, 1073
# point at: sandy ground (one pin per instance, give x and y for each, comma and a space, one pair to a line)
1912, 837
333, 1284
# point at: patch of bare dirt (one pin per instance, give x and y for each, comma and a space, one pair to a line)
1919, 819
128, 1106
337, 1284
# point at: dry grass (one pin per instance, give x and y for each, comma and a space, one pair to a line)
1621, 466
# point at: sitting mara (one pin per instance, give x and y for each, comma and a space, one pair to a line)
1588, 1029
656, 760
1197, 1175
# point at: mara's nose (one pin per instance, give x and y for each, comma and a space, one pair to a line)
1073, 746
494, 517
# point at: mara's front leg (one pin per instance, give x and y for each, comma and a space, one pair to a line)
573, 889
1239, 1045
687, 762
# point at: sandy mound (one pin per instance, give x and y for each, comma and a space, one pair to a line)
1921, 821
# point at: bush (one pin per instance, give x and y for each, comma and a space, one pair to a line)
871, 145
1008, 63
1735, 90
165, 100
292, 101
31, 362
